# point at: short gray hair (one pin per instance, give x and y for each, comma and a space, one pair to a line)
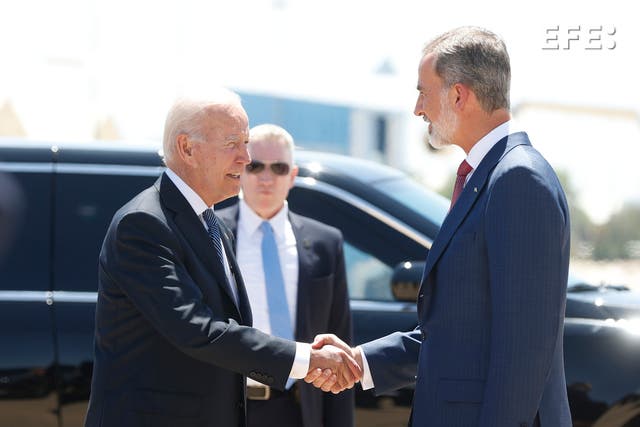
186, 117
477, 58
272, 132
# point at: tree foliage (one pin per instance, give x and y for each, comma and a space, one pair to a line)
619, 238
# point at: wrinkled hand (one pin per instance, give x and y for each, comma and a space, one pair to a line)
333, 369
323, 377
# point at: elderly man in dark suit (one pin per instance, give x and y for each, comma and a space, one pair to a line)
312, 293
173, 338
488, 348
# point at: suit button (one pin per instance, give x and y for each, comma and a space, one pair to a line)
240, 405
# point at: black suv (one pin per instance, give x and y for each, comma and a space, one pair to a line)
67, 195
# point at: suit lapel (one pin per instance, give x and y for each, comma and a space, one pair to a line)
303, 246
243, 299
230, 217
193, 229
467, 198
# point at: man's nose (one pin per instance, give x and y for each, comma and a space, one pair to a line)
417, 110
266, 174
245, 157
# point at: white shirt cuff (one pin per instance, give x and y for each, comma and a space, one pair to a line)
301, 362
367, 380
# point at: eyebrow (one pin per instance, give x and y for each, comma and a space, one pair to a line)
235, 137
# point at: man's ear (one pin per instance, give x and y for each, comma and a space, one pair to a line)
461, 95
184, 148
294, 173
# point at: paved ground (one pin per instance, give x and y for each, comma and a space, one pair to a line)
14, 413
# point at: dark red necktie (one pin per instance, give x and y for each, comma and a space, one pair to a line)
463, 171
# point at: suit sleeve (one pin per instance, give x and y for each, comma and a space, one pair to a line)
527, 229
338, 409
142, 258
393, 360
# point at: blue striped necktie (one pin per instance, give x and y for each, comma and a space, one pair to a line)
214, 233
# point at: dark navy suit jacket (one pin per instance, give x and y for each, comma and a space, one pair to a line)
172, 348
322, 307
488, 348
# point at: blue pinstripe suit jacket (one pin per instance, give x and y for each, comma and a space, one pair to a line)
488, 348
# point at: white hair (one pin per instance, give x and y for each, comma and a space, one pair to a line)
186, 114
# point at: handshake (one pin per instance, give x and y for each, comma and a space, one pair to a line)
334, 366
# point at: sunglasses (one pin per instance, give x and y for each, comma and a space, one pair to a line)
278, 168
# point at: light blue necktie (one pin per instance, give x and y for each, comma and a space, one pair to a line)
276, 296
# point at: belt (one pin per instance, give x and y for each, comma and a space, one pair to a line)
264, 392
258, 392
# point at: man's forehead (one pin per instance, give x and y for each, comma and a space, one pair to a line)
426, 71
427, 63
272, 147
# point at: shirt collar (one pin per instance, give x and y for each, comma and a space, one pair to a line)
250, 221
486, 143
197, 204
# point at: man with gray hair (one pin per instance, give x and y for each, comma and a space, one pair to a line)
173, 337
304, 292
487, 351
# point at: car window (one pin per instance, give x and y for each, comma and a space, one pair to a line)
372, 248
26, 264
416, 197
368, 277
85, 204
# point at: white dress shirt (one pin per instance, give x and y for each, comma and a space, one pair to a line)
249, 256
303, 351
475, 156
486, 143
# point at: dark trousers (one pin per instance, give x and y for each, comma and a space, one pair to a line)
282, 410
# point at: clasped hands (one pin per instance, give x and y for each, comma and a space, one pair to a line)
334, 366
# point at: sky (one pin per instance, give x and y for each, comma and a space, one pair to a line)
67, 64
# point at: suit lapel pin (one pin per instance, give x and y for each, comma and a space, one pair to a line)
475, 189
306, 244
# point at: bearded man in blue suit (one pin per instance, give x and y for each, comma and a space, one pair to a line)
487, 351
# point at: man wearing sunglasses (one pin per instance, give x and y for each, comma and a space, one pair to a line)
309, 274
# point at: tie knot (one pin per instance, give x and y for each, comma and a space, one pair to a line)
266, 227
464, 168
209, 217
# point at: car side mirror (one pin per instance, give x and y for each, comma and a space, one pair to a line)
405, 280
